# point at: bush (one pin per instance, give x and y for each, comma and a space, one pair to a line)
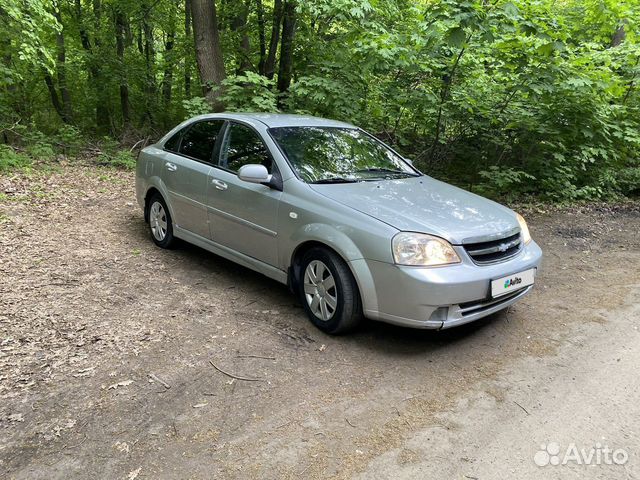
504, 181
111, 155
12, 160
249, 92
70, 139
195, 106
628, 181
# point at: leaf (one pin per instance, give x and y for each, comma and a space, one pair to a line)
559, 46
511, 10
456, 37
546, 49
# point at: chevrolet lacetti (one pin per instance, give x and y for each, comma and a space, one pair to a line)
351, 226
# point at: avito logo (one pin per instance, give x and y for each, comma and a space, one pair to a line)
512, 281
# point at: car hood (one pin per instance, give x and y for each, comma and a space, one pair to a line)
423, 204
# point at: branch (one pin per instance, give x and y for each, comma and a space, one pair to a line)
237, 377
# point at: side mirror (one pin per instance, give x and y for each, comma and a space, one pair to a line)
409, 161
254, 173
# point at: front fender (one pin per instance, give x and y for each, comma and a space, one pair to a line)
328, 235
337, 240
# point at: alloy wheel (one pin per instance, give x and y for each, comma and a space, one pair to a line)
158, 221
320, 290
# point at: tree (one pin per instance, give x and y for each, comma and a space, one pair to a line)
120, 25
208, 50
270, 63
484, 93
286, 54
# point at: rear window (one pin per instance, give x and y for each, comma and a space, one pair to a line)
174, 142
198, 141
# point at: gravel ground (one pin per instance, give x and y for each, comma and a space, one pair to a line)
109, 348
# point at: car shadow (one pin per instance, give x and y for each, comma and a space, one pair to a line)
371, 334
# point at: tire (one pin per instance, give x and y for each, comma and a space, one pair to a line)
160, 223
319, 294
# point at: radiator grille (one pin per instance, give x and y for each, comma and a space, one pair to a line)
494, 250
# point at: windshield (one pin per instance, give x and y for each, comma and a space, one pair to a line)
338, 155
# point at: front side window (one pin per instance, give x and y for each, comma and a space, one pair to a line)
198, 141
338, 155
243, 146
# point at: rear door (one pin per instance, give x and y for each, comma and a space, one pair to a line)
185, 173
243, 216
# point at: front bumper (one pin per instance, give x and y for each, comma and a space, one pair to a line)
437, 298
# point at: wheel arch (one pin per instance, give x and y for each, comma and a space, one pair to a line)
156, 186
295, 267
151, 191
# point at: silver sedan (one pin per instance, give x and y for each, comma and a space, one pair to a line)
350, 225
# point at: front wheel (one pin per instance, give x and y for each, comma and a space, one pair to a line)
328, 292
160, 223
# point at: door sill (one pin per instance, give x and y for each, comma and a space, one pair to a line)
226, 252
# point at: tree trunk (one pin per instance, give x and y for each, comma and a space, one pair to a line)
139, 41
95, 73
103, 120
67, 111
149, 60
286, 50
167, 78
239, 24
270, 64
620, 35
208, 50
262, 37
187, 34
55, 101
124, 88
84, 37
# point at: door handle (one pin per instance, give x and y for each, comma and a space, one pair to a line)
171, 166
219, 184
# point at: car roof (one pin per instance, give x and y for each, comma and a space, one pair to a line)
273, 120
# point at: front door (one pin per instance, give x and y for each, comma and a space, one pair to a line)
243, 216
186, 172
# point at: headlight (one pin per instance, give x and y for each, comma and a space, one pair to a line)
419, 249
526, 236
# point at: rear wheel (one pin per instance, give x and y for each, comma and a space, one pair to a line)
160, 224
328, 292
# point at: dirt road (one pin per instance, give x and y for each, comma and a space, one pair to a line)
106, 344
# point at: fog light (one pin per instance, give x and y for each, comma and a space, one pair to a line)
439, 314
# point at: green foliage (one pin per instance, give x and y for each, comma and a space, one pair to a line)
112, 155
195, 106
38, 146
120, 159
506, 97
12, 160
249, 92
504, 181
70, 139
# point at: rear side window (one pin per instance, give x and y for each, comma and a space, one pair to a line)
242, 147
174, 142
198, 141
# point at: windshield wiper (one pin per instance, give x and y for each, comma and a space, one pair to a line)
336, 180
388, 170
